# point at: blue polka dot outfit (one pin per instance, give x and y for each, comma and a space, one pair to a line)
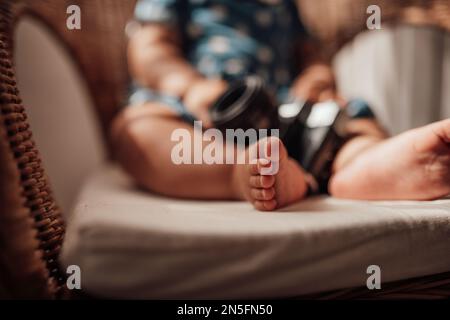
230, 39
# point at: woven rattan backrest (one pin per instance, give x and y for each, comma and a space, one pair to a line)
99, 48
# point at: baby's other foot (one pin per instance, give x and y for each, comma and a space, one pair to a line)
272, 181
414, 165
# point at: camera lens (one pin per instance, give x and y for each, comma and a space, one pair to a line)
246, 104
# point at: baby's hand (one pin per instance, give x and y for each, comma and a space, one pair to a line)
201, 95
316, 83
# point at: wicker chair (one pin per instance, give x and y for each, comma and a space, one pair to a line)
31, 225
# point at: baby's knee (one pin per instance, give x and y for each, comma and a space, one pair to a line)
131, 137
135, 123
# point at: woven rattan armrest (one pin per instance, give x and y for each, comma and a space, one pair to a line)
31, 228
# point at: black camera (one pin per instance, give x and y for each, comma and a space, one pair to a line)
312, 132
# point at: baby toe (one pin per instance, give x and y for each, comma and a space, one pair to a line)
262, 165
256, 168
262, 181
263, 194
265, 205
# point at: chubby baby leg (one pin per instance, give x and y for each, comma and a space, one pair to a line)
414, 165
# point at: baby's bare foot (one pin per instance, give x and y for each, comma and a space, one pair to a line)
412, 166
270, 182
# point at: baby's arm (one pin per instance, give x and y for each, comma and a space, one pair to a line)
315, 80
156, 61
315, 83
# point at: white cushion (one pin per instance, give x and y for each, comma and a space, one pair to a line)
131, 244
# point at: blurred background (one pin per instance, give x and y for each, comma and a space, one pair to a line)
73, 81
